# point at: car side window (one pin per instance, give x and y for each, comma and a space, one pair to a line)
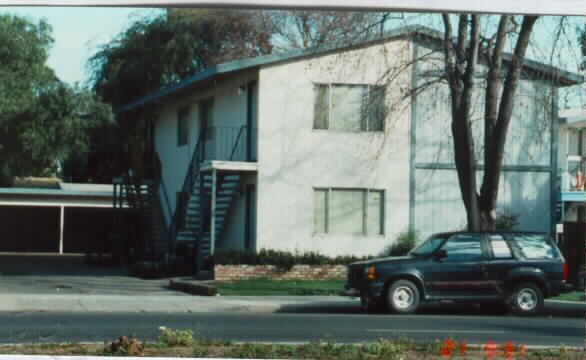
463, 247
500, 248
534, 246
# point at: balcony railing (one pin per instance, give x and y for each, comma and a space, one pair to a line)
231, 143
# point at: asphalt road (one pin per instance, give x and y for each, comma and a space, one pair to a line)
342, 325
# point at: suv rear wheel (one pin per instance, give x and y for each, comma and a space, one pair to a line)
526, 299
403, 297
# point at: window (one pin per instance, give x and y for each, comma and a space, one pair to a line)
182, 126
348, 211
500, 248
428, 246
349, 107
534, 246
465, 247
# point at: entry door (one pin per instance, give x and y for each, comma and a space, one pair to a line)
461, 272
206, 121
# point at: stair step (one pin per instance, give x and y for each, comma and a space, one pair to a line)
221, 183
197, 213
221, 205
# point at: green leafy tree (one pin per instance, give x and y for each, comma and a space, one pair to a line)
42, 120
159, 51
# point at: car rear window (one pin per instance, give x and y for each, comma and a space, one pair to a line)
534, 246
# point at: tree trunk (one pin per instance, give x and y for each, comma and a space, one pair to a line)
461, 58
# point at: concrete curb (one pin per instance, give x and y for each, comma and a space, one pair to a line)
193, 288
76, 303
568, 302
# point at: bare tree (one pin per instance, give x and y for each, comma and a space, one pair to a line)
462, 56
311, 29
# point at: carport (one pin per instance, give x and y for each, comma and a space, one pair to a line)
76, 218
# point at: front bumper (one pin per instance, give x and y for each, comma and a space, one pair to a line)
373, 289
350, 292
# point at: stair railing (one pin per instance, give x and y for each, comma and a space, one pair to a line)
242, 128
188, 183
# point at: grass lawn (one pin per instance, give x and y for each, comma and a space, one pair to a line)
191, 346
571, 296
262, 287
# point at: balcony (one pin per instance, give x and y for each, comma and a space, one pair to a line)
231, 143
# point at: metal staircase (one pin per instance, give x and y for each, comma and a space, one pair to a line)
136, 207
197, 222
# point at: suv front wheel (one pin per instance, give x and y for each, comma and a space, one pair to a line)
403, 297
526, 299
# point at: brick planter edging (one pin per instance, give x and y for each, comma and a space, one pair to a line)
298, 272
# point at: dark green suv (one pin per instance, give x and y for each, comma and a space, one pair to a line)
518, 270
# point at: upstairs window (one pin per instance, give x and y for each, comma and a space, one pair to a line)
182, 126
349, 107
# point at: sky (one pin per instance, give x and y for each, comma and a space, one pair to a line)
77, 33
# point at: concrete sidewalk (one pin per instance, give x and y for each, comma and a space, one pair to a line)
161, 303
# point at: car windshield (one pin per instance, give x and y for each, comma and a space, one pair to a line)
428, 246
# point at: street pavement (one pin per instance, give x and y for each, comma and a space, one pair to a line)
97, 305
19, 327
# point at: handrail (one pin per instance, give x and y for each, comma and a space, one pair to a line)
187, 186
236, 142
166, 198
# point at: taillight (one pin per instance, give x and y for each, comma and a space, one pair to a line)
566, 272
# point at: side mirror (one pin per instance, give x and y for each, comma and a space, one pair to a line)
440, 254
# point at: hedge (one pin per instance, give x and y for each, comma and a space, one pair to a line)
282, 259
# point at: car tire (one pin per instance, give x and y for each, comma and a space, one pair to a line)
526, 299
403, 297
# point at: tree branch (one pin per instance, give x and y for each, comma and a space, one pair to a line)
494, 166
491, 97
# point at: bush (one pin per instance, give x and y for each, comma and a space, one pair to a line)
506, 221
172, 337
283, 260
403, 244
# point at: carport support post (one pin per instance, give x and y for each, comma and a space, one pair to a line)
213, 225
61, 227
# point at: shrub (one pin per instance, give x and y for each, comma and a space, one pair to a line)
506, 220
403, 244
283, 260
126, 346
172, 337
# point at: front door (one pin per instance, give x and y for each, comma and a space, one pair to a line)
460, 273
207, 128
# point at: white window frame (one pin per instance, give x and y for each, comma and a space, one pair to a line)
382, 228
330, 102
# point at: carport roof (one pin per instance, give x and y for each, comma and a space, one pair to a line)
71, 196
53, 193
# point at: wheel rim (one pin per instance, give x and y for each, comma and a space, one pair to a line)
403, 297
527, 299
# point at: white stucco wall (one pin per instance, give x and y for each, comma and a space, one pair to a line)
294, 159
228, 112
